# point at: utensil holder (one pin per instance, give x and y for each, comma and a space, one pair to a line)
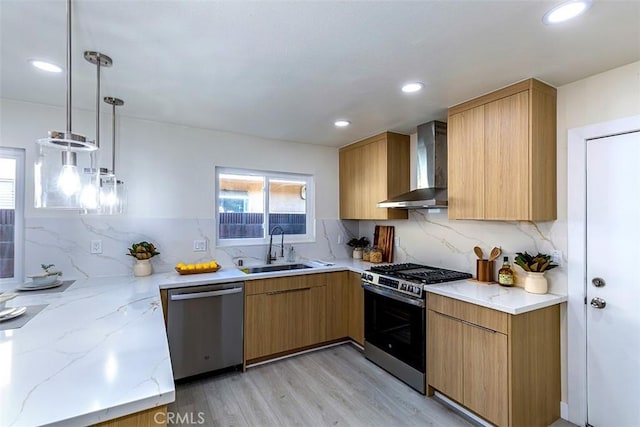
484, 270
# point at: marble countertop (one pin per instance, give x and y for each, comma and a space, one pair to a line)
97, 351
232, 274
509, 300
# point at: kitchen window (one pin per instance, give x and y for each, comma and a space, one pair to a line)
11, 214
251, 203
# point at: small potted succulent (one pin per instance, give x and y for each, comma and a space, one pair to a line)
534, 267
142, 252
358, 246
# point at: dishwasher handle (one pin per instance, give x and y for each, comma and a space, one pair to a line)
196, 295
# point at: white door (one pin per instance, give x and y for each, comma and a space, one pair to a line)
613, 263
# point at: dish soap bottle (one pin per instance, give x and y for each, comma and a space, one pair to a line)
291, 255
505, 274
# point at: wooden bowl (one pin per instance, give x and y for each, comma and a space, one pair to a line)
202, 270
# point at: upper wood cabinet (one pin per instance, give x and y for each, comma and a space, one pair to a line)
502, 155
373, 170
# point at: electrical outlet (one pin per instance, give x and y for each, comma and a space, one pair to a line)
556, 257
396, 241
199, 245
96, 246
339, 239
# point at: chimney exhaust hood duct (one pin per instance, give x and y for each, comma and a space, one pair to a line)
431, 166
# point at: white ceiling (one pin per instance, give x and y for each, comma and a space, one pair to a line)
287, 70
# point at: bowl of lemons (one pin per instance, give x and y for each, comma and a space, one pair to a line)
201, 267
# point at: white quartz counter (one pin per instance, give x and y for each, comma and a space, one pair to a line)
512, 300
99, 349
96, 352
233, 274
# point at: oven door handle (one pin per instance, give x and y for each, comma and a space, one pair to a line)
393, 295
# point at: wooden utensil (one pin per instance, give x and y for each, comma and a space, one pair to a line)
495, 253
478, 252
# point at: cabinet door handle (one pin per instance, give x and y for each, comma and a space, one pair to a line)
287, 291
478, 326
464, 321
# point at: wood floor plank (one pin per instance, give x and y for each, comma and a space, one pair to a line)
330, 387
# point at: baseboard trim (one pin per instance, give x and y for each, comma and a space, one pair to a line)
297, 353
462, 410
564, 410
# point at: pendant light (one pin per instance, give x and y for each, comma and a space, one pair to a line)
56, 179
113, 196
90, 196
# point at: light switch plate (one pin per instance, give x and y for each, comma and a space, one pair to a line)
199, 245
96, 246
556, 257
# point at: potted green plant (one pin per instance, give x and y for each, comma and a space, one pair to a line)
358, 246
534, 267
142, 252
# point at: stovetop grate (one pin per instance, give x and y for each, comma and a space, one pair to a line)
422, 273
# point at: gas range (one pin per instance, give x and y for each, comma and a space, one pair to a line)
409, 278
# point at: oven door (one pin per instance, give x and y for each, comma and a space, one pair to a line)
396, 325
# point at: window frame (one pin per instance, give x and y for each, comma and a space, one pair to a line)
18, 154
308, 237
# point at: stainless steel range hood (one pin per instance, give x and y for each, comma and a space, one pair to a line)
431, 167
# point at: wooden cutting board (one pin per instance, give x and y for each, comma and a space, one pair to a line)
383, 239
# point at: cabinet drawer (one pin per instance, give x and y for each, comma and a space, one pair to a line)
276, 284
481, 316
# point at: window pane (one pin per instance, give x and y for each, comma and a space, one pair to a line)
288, 205
241, 206
7, 217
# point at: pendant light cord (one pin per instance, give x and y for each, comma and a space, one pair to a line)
69, 66
113, 148
98, 103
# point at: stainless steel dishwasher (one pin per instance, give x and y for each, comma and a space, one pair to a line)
205, 328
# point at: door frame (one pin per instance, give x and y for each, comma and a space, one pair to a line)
577, 259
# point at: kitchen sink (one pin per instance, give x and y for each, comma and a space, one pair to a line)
274, 267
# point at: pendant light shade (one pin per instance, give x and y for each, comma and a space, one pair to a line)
113, 194
91, 197
62, 156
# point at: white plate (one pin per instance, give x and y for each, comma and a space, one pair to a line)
29, 286
7, 311
18, 312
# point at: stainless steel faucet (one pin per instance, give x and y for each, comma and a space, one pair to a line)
269, 256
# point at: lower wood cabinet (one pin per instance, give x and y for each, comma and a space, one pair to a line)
288, 313
505, 368
355, 314
285, 314
337, 305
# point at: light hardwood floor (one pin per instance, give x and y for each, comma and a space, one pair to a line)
331, 387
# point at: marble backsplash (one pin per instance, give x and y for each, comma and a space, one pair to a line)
66, 242
429, 237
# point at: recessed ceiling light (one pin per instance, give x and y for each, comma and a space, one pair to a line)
412, 87
342, 123
565, 11
45, 66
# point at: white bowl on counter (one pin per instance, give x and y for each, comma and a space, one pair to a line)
44, 279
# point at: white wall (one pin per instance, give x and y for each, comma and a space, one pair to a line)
169, 172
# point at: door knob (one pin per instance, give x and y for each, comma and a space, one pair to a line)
598, 303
